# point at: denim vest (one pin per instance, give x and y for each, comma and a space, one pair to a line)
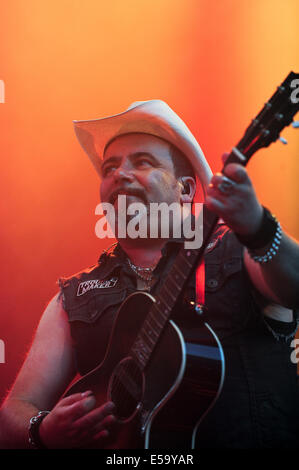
259, 403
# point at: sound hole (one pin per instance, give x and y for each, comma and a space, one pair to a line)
126, 388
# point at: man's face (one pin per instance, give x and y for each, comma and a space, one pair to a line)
141, 167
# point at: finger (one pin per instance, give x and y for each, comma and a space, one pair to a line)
86, 440
218, 178
224, 157
101, 435
107, 423
213, 192
80, 408
215, 205
225, 197
85, 434
237, 173
95, 416
74, 398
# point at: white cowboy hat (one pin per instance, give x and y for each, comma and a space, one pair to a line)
153, 117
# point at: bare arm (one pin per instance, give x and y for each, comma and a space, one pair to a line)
46, 372
277, 279
73, 421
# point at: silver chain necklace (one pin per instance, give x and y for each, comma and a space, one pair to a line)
146, 274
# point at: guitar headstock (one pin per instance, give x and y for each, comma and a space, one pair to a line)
265, 128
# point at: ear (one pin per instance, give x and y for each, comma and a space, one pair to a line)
188, 188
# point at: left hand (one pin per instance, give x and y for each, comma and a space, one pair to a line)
231, 196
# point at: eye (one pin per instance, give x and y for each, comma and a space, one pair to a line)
143, 162
108, 169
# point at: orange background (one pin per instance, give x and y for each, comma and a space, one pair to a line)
215, 63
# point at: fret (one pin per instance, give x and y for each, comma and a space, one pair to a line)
139, 357
190, 265
141, 348
169, 293
178, 277
175, 284
158, 303
167, 298
148, 337
152, 328
187, 257
175, 266
163, 313
158, 323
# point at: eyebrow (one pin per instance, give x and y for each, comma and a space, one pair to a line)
135, 155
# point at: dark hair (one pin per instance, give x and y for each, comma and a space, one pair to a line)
182, 166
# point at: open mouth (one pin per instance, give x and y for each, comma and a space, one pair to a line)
124, 192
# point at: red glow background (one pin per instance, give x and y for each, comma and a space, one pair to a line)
214, 63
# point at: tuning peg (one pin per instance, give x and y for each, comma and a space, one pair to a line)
283, 140
295, 124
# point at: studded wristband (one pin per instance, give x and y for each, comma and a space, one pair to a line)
265, 233
34, 437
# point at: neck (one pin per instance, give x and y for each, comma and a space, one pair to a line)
144, 254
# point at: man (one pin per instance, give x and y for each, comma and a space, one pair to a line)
148, 154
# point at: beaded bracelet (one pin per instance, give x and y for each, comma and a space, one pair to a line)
272, 250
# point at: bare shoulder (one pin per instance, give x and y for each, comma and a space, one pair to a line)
49, 366
54, 316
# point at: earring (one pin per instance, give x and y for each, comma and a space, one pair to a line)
186, 187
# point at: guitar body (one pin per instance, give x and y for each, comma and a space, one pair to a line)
161, 405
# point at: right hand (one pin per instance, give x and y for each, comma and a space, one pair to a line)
75, 422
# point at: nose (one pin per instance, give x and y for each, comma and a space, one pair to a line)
123, 173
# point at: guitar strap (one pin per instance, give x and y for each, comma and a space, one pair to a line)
200, 284
200, 273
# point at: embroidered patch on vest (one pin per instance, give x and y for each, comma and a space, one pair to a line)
95, 284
